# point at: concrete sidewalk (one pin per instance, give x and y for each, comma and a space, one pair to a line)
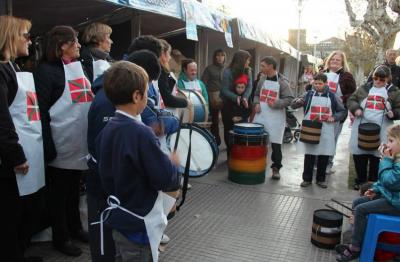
222, 221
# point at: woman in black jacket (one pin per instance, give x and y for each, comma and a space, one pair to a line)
14, 162
65, 95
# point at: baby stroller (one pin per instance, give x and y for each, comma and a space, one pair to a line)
292, 129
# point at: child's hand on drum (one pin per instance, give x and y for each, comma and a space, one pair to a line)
257, 108
238, 99
358, 112
174, 158
245, 103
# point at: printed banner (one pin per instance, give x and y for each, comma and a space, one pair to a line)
32, 105
165, 7
191, 27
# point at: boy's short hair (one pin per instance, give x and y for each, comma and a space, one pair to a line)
148, 42
122, 79
148, 61
270, 60
321, 77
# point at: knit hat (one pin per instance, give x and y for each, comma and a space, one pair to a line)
242, 79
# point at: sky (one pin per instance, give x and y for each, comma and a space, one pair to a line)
321, 18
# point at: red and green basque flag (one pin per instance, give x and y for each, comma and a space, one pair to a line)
80, 90
376, 102
32, 106
320, 113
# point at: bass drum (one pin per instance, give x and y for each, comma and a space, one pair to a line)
204, 151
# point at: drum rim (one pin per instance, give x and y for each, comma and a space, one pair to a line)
243, 125
201, 98
211, 141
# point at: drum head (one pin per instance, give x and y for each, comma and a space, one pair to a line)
249, 125
203, 155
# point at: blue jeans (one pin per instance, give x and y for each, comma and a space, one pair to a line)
362, 208
127, 251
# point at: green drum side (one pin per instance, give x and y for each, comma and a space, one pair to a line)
246, 178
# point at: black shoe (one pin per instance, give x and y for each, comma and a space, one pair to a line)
322, 184
32, 259
340, 248
81, 235
69, 249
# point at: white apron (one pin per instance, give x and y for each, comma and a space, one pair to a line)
334, 87
374, 112
99, 66
320, 110
25, 113
194, 85
273, 119
155, 221
69, 120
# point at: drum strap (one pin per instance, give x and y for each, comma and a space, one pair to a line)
187, 168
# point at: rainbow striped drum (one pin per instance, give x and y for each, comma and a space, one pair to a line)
248, 158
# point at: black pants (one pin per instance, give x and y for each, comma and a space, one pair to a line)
11, 248
322, 163
364, 162
228, 125
276, 156
63, 198
95, 206
215, 124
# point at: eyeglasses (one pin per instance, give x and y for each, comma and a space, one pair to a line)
27, 36
382, 79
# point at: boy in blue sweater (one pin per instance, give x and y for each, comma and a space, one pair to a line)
132, 168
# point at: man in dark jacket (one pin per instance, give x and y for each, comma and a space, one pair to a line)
390, 61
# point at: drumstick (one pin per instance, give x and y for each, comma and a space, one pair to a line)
179, 131
331, 207
341, 204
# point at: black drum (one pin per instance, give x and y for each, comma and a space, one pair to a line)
310, 132
326, 228
369, 136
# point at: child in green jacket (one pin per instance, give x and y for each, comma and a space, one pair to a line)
382, 198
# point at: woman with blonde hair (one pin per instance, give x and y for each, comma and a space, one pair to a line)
341, 82
95, 53
21, 145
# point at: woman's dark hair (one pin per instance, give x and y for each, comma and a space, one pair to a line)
185, 63
217, 52
237, 64
148, 42
321, 77
382, 71
56, 38
123, 79
148, 61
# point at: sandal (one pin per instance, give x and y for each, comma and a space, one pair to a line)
343, 257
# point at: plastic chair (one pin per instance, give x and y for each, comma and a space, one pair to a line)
377, 224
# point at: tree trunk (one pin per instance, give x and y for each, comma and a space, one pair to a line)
380, 50
359, 75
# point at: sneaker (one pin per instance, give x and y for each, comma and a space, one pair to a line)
189, 186
322, 184
330, 170
165, 239
69, 249
275, 173
305, 184
347, 255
